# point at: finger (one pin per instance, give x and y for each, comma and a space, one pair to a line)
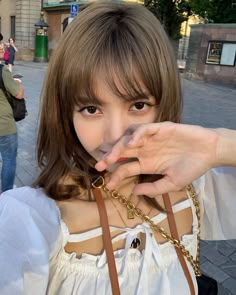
151, 130
122, 172
138, 137
113, 158
120, 150
158, 187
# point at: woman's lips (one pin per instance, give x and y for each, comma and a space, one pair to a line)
121, 160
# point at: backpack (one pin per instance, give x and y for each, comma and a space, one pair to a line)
18, 105
6, 55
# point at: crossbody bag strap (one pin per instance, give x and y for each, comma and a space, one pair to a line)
174, 233
107, 242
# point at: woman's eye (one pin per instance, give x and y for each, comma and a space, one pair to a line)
139, 106
90, 110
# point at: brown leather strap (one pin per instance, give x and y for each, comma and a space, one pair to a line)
174, 233
107, 242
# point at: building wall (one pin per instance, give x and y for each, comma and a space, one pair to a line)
185, 32
196, 66
54, 20
7, 9
27, 13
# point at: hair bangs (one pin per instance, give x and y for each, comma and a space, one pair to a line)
119, 66
77, 86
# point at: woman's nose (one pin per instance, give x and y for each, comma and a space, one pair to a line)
116, 127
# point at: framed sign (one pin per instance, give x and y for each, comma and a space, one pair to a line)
214, 52
228, 54
221, 53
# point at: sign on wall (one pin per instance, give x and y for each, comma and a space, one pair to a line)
228, 54
221, 53
74, 8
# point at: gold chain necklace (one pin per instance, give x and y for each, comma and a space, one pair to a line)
99, 183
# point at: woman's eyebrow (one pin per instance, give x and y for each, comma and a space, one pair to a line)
88, 100
144, 96
85, 100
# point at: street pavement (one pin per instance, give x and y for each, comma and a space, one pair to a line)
206, 104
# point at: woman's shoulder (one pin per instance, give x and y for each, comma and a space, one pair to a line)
30, 236
32, 202
27, 195
217, 179
27, 215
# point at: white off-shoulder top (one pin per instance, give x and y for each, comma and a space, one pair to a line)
33, 236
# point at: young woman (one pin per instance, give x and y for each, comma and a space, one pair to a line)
12, 49
111, 81
1, 48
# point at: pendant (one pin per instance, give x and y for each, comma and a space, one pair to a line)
130, 213
135, 243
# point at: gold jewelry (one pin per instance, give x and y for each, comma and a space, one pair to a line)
100, 184
119, 213
137, 241
130, 212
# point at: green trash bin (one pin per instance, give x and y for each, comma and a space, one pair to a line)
41, 41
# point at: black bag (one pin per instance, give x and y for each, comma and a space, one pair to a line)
207, 285
18, 105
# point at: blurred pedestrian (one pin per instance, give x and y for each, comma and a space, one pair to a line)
8, 131
1, 48
12, 48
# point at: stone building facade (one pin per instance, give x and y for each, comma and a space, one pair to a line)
17, 19
212, 53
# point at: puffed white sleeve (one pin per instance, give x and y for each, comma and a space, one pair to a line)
217, 195
29, 238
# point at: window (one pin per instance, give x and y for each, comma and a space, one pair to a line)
13, 26
221, 53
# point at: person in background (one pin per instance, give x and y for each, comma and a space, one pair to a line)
12, 48
1, 48
8, 130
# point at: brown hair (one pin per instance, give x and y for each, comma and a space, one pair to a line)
121, 40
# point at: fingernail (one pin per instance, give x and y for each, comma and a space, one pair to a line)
100, 166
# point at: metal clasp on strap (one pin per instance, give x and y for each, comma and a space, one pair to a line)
99, 182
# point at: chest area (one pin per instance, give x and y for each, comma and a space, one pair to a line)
83, 223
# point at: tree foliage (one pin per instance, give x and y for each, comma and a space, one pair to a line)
217, 11
171, 14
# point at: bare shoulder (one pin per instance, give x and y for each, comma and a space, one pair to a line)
79, 215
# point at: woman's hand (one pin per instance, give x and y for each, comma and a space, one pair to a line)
181, 153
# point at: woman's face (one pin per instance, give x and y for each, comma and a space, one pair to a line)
100, 126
